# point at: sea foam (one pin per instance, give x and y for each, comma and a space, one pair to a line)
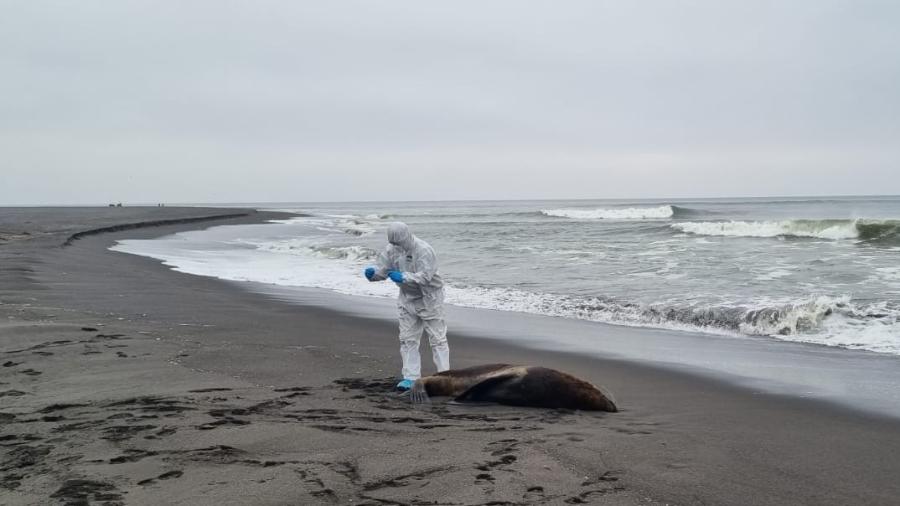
304, 262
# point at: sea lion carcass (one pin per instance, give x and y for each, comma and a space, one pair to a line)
515, 385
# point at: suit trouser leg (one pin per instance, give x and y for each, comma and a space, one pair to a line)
436, 330
411, 327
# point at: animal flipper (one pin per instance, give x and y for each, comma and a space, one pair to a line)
481, 391
418, 394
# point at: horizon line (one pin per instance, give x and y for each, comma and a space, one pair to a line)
250, 202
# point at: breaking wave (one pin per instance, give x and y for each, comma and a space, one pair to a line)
826, 320
303, 247
352, 253
624, 213
787, 309
347, 224
830, 321
864, 230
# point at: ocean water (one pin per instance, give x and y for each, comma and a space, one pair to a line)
824, 271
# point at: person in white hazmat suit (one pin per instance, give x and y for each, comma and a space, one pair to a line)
411, 263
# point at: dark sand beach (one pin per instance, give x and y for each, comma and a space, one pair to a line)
123, 382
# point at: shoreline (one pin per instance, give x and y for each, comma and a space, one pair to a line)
759, 364
478, 334
681, 438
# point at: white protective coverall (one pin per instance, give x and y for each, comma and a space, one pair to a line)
420, 303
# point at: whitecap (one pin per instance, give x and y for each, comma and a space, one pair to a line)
628, 213
822, 229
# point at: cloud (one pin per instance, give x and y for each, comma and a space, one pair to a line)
319, 100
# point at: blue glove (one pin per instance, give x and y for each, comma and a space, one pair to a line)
396, 276
369, 272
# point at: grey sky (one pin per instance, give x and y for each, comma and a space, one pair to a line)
215, 101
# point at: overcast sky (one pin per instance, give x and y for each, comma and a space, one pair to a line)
216, 101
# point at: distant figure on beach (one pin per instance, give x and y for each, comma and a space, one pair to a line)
411, 263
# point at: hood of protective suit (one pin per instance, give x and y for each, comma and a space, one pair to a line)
399, 235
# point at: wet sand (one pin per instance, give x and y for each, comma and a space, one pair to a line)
122, 382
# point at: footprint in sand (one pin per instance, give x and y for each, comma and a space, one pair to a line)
502, 447
125, 432
165, 476
484, 477
132, 455
227, 420
534, 494
82, 491
60, 407
165, 431
13, 393
607, 477
504, 461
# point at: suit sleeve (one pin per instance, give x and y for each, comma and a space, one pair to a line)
426, 268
